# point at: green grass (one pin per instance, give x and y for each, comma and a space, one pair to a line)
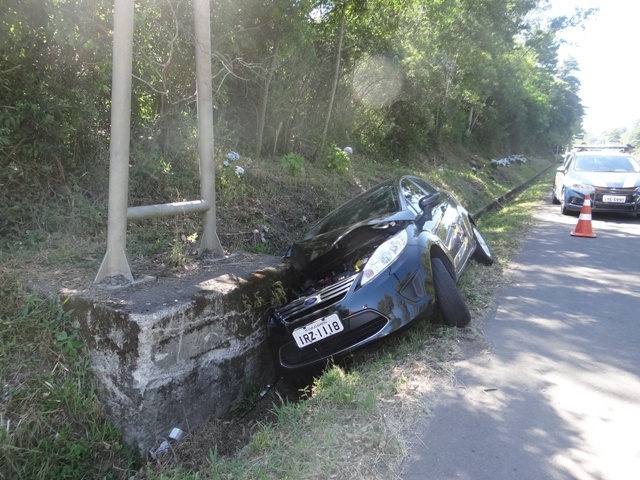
51, 422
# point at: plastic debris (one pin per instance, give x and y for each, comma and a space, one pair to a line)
174, 436
508, 161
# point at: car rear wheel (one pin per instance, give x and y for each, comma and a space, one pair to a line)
453, 309
483, 252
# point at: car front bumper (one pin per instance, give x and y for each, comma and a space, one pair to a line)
574, 200
387, 304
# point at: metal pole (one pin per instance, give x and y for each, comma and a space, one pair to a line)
166, 209
115, 260
209, 240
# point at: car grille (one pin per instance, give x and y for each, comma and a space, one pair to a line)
300, 309
369, 323
628, 205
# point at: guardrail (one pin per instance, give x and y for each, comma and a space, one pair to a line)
497, 203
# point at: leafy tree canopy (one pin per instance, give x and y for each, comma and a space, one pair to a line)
413, 75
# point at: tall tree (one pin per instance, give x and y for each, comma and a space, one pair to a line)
262, 113
633, 136
336, 77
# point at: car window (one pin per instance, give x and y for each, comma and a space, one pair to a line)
379, 202
602, 163
413, 190
412, 194
426, 186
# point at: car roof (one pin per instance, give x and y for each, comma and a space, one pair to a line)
607, 152
608, 149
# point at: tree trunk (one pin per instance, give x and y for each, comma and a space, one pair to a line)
336, 77
470, 122
265, 97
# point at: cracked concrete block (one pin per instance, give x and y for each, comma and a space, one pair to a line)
175, 352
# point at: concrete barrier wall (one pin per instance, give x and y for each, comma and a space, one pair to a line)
176, 352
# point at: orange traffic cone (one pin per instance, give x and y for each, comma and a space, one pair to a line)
583, 229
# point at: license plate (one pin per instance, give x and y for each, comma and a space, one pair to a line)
318, 330
614, 199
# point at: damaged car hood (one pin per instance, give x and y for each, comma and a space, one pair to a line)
317, 254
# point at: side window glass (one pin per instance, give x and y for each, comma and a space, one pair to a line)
412, 194
568, 160
426, 186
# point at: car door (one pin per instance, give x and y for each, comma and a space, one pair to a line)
458, 241
446, 222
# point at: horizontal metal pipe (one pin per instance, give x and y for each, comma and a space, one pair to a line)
167, 209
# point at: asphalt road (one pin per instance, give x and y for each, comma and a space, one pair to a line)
556, 395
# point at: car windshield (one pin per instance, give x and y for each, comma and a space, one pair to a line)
603, 163
377, 202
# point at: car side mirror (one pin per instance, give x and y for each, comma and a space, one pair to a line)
561, 169
426, 204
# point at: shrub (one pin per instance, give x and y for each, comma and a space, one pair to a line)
293, 163
337, 160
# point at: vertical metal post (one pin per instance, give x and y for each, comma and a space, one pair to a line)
209, 240
115, 260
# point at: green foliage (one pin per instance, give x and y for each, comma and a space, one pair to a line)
150, 238
337, 160
54, 111
51, 422
69, 343
337, 386
616, 135
293, 164
633, 136
230, 185
261, 248
178, 256
53, 75
415, 77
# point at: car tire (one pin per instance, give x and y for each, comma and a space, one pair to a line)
554, 199
452, 307
483, 252
563, 209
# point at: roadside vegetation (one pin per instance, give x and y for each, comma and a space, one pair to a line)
353, 421
391, 79
51, 422
438, 89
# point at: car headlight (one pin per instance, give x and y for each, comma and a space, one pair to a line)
384, 256
583, 189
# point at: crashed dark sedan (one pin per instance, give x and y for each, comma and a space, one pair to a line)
386, 258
